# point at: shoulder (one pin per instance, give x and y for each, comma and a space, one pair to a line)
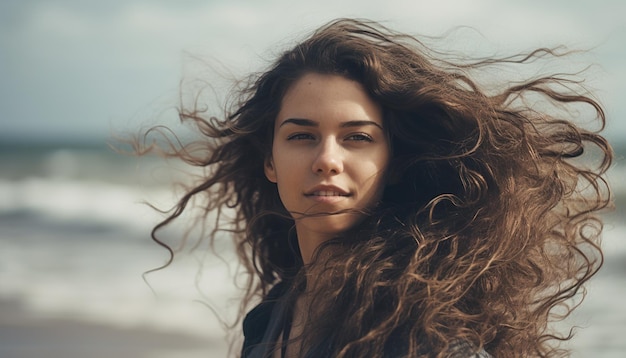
256, 321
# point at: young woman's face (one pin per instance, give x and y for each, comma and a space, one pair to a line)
330, 152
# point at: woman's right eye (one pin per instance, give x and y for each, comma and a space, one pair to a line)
301, 136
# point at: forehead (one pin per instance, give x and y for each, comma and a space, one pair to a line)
320, 97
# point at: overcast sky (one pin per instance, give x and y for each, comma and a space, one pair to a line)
83, 69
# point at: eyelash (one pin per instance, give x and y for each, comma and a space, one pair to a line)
300, 136
358, 137
362, 137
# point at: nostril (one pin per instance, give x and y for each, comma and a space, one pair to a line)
327, 162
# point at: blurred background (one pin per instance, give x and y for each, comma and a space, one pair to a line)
74, 232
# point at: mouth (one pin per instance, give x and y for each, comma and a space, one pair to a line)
327, 191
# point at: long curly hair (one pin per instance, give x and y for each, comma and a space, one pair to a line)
487, 229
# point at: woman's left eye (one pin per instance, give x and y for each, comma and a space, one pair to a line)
360, 137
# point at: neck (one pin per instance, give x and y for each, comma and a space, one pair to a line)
314, 260
309, 242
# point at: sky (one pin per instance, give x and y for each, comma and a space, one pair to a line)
83, 70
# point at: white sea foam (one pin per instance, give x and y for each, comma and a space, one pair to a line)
93, 201
78, 248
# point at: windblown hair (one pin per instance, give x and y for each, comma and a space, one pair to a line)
487, 229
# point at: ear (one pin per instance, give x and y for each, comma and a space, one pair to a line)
270, 171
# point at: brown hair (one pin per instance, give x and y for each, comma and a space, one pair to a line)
487, 228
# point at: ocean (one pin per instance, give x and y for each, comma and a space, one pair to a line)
74, 247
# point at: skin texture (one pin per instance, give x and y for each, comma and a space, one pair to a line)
329, 154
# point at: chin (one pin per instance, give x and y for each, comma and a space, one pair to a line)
334, 225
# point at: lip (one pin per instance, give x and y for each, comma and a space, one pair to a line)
326, 193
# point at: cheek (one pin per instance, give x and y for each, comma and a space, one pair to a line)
287, 165
289, 169
380, 160
372, 180
379, 185
379, 175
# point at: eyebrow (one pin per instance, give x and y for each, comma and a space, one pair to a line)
310, 123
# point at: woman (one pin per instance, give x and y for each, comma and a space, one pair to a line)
387, 205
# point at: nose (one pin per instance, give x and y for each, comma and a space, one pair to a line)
329, 159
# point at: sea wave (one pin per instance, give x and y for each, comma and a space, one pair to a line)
84, 201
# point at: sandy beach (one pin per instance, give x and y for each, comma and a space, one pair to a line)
24, 335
